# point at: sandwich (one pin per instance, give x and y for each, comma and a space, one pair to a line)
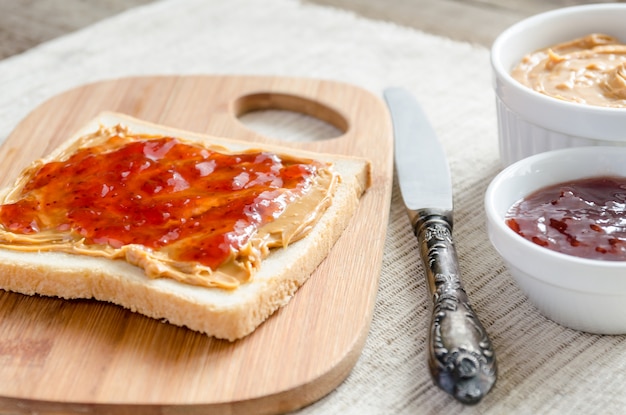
210, 233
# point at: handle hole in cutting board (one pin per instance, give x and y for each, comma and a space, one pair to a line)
289, 117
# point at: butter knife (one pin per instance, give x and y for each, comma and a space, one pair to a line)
461, 357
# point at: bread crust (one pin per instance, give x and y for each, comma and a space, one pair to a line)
224, 314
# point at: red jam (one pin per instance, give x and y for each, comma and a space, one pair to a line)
584, 218
161, 193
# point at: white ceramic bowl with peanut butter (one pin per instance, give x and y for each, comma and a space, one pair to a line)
560, 81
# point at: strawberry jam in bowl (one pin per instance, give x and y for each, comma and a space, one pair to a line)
582, 217
558, 220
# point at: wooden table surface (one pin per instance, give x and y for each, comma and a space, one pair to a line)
26, 23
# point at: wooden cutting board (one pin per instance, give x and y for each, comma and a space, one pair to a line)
59, 356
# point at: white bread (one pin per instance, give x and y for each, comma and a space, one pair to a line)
222, 313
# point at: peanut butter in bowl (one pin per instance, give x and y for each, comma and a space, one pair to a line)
589, 70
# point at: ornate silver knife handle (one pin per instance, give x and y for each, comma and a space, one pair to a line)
461, 358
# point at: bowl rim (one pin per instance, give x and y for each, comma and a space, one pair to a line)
518, 28
495, 219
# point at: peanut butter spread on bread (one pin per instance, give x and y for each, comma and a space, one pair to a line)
589, 70
193, 212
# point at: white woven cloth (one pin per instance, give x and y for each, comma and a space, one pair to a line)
543, 368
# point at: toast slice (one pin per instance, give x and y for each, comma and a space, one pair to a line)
225, 312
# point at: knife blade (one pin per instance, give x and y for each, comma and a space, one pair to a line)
461, 357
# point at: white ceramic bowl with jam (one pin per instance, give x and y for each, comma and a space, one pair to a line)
580, 293
530, 122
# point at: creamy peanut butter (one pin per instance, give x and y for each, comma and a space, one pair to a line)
170, 188
589, 70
